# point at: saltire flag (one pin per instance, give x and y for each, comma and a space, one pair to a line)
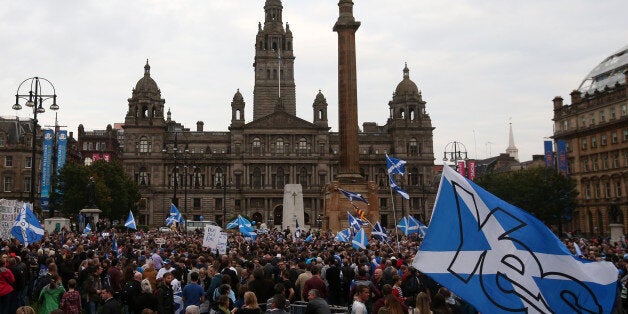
360, 241
175, 216
354, 223
130, 222
343, 235
407, 226
245, 227
26, 227
502, 259
309, 238
395, 165
297, 233
394, 186
379, 232
232, 224
88, 229
353, 196
577, 249
238, 222
415, 224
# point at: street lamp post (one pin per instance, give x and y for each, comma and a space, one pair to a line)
455, 152
34, 99
175, 155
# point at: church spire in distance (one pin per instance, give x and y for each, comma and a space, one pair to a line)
512, 150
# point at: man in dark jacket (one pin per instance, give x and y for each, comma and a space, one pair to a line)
111, 305
165, 296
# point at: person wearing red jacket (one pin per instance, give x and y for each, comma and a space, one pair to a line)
6, 287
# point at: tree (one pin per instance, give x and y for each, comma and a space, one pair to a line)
115, 192
542, 192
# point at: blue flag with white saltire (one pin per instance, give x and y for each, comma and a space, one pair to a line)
26, 227
415, 224
308, 238
577, 249
395, 165
232, 224
353, 196
88, 229
379, 232
394, 186
407, 227
343, 235
360, 241
175, 216
502, 259
354, 223
130, 221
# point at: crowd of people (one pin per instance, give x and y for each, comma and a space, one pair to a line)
69, 272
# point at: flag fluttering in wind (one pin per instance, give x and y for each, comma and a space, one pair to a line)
353, 196
502, 259
175, 216
88, 229
130, 222
415, 224
379, 232
343, 235
394, 186
361, 214
308, 239
360, 241
26, 227
395, 165
354, 223
245, 227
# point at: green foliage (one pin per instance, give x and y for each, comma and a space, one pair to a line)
543, 192
115, 192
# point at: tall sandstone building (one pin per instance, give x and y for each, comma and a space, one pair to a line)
595, 128
211, 174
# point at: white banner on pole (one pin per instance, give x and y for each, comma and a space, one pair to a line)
222, 243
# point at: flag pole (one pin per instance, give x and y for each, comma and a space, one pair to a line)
373, 227
392, 198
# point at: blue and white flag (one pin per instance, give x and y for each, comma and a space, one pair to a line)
232, 224
379, 232
394, 186
415, 224
407, 227
130, 222
502, 259
354, 223
114, 245
309, 238
360, 241
577, 249
175, 216
343, 235
88, 229
26, 227
353, 196
395, 165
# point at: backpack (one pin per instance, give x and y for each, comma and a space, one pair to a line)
40, 283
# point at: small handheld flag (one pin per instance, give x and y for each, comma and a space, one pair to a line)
343, 235
379, 232
88, 229
309, 238
394, 186
360, 241
130, 222
26, 227
354, 223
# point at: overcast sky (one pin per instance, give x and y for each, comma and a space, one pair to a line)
479, 64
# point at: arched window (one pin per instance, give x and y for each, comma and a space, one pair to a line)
279, 146
256, 181
144, 145
402, 114
412, 115
143, 177
257, 146
413, 147
144, 111
303, 177
413, 176
153, 112
238, 114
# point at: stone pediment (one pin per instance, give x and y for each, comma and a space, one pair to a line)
280, 120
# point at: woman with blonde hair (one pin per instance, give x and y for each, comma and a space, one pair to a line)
250, 305
422, 304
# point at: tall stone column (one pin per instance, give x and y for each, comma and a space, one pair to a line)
336, 204
349, 157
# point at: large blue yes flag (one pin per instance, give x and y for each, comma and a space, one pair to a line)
503, 260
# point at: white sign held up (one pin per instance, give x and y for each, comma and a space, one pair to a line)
211, 237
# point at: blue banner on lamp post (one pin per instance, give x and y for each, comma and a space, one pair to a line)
46, 168
561, 149
549, 154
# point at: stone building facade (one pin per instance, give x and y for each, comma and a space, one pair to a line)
595, 127
211, 174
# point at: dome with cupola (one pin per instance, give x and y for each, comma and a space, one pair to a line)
146, 84
406, 86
